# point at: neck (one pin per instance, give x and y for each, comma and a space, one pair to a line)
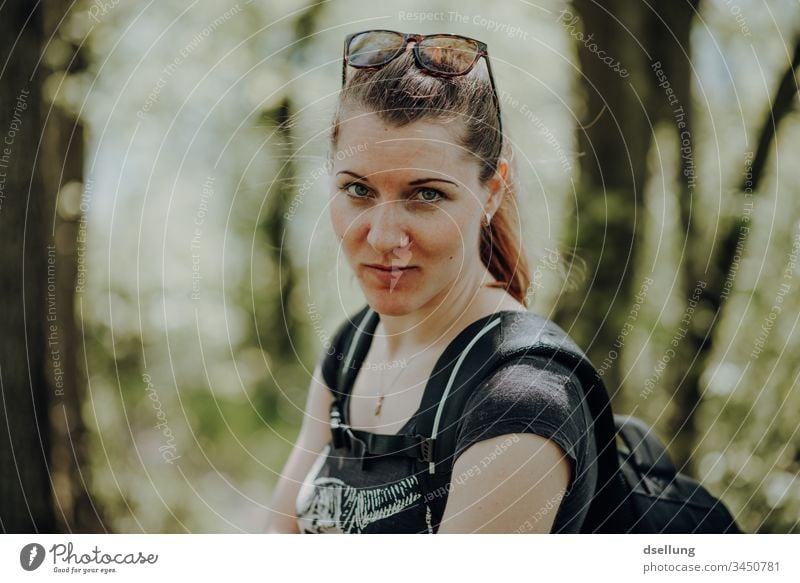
439, 321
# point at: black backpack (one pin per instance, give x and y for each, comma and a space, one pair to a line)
638, 489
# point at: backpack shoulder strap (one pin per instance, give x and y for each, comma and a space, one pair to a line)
646, 451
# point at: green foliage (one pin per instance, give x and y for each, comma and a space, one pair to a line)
202, 293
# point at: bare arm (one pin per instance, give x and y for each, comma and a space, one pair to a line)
518, 491
314, 436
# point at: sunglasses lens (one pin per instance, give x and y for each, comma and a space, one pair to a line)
370, 49
453, 56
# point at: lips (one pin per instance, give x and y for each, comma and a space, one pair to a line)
388, 267
389, 275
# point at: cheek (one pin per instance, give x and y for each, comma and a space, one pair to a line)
341, 216
349, 226
443, 242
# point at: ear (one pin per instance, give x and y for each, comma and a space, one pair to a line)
496, 185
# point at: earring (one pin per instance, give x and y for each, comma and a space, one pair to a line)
488, 219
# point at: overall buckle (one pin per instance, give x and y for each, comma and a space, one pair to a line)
337, 428
358, 448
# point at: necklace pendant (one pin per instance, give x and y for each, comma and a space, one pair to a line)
378, 407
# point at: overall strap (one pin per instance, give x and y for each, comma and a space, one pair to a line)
365, 445
356, 349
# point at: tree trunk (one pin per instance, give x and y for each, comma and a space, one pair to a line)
277, 334
651, 45
281, 326
669, 46
613, 141
26, 504
61, 162
622, 107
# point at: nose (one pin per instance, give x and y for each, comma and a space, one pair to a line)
386, 229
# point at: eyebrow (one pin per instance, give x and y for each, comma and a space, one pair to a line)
412, 183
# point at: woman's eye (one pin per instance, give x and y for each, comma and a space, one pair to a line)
430, 195
426, 195
359, 190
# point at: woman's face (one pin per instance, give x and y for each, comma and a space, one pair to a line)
408, 198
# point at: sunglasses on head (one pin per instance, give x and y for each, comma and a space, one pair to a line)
440, 55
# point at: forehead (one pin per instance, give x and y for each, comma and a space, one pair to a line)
426, 144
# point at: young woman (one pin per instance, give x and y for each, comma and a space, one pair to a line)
423, 203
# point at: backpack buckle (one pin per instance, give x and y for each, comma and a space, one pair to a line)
425, 449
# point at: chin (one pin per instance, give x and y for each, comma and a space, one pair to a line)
390, 304
406, 297
397, 303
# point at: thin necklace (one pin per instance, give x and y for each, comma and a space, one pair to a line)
382, 395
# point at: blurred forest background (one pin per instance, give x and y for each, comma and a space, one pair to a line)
170, 275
